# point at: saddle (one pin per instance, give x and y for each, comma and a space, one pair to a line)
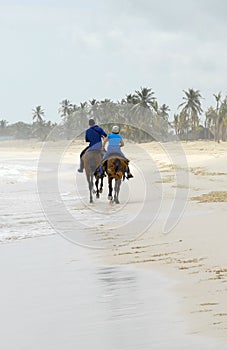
115, 155
93, 151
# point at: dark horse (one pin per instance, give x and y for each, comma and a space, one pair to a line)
92, 159
115, 167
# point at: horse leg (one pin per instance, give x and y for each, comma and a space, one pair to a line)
219, 133
97, 187
110, 188
90, 186
117, 190
101, 184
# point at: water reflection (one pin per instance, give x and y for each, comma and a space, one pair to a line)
117, 284
140, 313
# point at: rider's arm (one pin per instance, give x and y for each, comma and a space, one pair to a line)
101, 131
86, 136
122, 143
104, 142
103, 134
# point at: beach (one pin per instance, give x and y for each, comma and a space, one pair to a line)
160, 253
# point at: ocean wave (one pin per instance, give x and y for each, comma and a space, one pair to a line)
16, 173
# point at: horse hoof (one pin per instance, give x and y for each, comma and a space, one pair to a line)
100, 190
91, 201
117, 201
97, 195
110, 198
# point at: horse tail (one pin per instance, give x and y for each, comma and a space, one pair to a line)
119, 171
116, 168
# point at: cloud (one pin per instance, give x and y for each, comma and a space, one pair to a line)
84, 49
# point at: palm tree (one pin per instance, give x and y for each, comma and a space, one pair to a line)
176, 124
38, 114
76, 119
160, 121
93, 102
125, 109
94, 108
219, 117
180, 124
65, 109
218, 100
155, 106
131, 99
108, 112
141, 111
3, 123
73, 108
144, 98
192, 108
223, 118
163, 111
83, 114
210, 121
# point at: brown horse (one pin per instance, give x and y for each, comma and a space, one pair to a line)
115, 167
92, 159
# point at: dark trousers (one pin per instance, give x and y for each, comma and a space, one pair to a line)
84, 150
81, 160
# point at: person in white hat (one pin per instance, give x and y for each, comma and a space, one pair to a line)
115, 142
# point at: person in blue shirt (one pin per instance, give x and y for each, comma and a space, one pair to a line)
93, 135
115, 142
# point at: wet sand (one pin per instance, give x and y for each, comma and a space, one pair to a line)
55, 295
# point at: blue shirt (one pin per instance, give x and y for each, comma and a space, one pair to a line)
94, 136
114, 142
114, 139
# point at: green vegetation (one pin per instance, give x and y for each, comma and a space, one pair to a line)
141, 118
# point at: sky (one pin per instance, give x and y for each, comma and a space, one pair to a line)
83, 49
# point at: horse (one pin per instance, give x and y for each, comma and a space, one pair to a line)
115, 167
92, 159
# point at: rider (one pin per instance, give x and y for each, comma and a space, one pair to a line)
93, 135
115, 141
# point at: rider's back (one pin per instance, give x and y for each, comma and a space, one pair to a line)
94, 136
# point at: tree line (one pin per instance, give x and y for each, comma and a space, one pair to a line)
140, 115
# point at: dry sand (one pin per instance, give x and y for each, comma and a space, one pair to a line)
194, 252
